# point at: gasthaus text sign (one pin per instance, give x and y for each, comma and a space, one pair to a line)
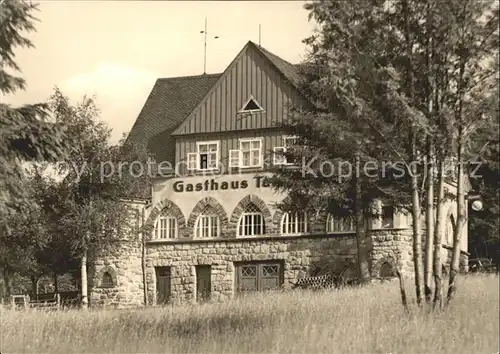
214, 185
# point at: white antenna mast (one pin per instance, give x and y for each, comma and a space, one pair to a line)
205, 50
259, 35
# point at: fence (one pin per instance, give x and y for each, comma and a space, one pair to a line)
49, 301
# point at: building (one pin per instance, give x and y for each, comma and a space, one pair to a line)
215, 231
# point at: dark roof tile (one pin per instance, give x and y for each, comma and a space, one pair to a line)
169, 103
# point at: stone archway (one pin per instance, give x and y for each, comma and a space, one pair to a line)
385, 268
259, 203
104, 273
160, 207
204, 204
207, 202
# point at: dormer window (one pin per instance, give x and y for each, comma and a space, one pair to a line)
251, 106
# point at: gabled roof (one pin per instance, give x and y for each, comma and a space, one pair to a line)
172, 100
169, 103
288, 69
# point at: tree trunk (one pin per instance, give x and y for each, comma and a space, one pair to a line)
457, 234
7, 281
417, 238
402, 289
429, 221
143, 257
361, 240
83, 282
437, 264
416, 211
34, 287
56, 288
3, 286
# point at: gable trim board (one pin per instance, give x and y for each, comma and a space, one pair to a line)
253, 46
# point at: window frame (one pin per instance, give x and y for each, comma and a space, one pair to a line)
332, 219
107, 285
241, 225
197, 226
198, 155
261, 148
157, 231
286, 222
382, 218
251, 98
283, 148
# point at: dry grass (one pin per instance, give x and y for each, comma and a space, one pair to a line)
368, 320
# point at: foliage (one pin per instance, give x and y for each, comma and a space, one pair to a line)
25, 133
86, 206
342, 128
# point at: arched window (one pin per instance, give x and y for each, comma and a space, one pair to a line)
207, 225
340, 224
107, 280
386, 271
449, 230
251, 222
165, 227
294, 224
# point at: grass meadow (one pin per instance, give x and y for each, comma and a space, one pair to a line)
363, 320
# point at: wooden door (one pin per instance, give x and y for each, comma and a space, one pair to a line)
259, 276
203, 282
163, 285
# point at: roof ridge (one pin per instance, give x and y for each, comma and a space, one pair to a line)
189, 76
273, 54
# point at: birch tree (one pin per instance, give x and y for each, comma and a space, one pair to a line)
87, 204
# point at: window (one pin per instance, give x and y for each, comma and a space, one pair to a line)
294, 224
259, 276
251, 223
207, 226
165, 227
279, 151
107, 280
340, 224
251, 106
251, 153
387, 217
207, 157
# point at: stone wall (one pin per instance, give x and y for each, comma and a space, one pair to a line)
394, 247
302, 256
124, 264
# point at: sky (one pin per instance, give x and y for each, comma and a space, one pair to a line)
116, 50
